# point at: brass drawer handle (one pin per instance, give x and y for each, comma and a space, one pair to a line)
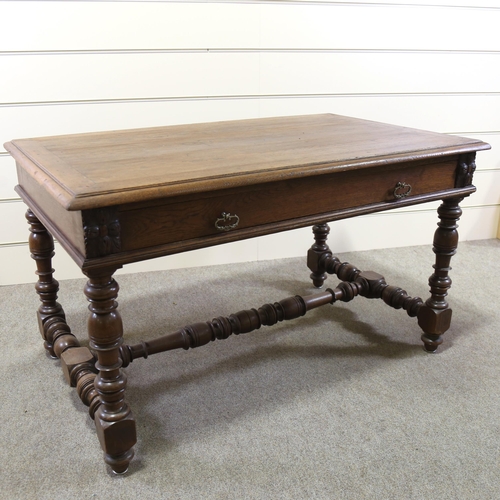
402, 190
226, 222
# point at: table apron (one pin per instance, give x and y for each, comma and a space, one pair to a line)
174, 225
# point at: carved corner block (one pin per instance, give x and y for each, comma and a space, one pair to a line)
315, 264
117, 440
101, 229
465, 170
434, 321
75, 360
43, 320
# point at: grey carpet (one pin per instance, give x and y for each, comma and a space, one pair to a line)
340, 404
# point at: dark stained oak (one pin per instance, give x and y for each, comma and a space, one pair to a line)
435, 317
78, 363
112, 198
367, 284
320, 250
114, 421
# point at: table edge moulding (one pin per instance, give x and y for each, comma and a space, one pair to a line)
112, 198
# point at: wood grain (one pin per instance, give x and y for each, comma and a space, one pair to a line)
87, 171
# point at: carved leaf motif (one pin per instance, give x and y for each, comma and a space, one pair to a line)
465, 170
101, 232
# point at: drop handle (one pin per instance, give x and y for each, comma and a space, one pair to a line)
402, 190
227, 221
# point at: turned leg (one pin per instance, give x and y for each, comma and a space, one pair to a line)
318, 251
77, 362
114, 421
434, 316
41, 246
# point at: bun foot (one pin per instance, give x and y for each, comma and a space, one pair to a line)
119, 464
431, 342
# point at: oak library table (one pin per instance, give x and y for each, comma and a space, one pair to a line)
112, 198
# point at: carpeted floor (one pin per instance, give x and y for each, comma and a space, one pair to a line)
341, 404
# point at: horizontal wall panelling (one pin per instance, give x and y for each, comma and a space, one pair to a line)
8, 178
66, 77
464, 114
86, 66
182, 25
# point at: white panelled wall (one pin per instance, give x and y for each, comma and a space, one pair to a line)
69, 67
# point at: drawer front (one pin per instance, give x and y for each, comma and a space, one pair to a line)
203, 215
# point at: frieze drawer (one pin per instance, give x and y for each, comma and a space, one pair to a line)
206, 215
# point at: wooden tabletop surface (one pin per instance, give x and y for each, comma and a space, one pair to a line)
107, 168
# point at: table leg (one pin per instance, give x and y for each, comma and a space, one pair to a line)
319, 250
114, 421
51, 317
434, 317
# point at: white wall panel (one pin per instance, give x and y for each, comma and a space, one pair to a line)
488, 159
8, 178
379, 26
486, 182
377, 72
97, 76
468, 115
66, 25
146, 25
21, 268
87, 77
13, 224
426, 3
103, 65
440, 112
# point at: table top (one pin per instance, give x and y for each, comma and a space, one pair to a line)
84, 171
